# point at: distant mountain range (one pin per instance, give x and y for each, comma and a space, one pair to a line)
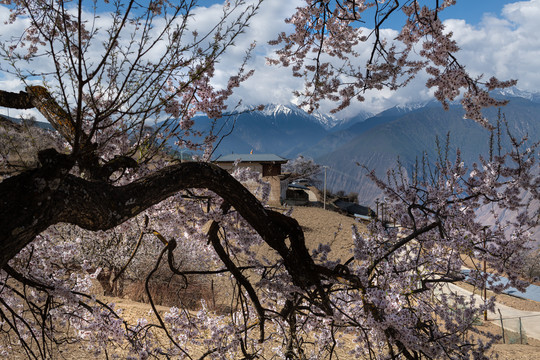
29, 122
329, 122
381, 140
405, 132
285, 130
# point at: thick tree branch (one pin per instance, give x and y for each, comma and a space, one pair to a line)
42, 100
34, 200
19, 100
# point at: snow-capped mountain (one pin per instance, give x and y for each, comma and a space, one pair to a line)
277, 109
405, 108
515, 92
288, 130
327, 121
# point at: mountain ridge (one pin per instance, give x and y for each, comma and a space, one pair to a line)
413, 134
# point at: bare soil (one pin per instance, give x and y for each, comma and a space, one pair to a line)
319, 226
327, 227
331, 228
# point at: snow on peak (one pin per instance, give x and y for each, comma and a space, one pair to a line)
276, 109
515, 92
411, 106
327, 121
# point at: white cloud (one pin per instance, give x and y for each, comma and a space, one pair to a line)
525, 13
507, 47
504, 45
269, 84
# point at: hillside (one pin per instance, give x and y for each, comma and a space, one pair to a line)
319, 226
410, 135
341, 135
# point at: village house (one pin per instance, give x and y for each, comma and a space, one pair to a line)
302, 192
268, 165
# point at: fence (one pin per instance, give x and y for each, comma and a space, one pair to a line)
514, 329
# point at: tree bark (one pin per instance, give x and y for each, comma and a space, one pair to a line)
36, 199
19, 100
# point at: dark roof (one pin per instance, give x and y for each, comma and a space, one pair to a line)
353, 208
252, 158
298, 186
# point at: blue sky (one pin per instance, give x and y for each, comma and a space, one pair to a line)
472, 11
497, 37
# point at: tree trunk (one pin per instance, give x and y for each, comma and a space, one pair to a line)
36, 199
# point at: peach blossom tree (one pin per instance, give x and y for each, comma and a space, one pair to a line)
107, 75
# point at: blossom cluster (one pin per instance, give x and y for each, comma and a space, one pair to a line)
388, 300
324, 50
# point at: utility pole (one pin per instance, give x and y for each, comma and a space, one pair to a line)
324, 190
383, 203
485, 273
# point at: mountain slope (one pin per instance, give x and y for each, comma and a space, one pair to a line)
340, 137
412, 134
282, 130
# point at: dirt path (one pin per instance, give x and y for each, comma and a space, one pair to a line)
530, 320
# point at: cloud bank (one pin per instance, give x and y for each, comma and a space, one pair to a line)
505, 45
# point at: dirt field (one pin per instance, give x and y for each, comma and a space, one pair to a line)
322, 226
327, 227
319, 226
